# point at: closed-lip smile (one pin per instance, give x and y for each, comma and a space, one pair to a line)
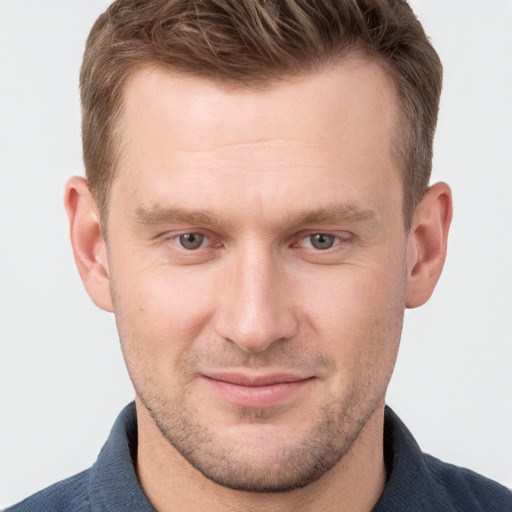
256, 390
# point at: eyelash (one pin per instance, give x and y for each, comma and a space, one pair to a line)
175, 240
337, 241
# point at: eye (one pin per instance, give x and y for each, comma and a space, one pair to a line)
321, 241
191, 241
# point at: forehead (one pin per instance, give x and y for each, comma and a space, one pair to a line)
356, 91
332, 128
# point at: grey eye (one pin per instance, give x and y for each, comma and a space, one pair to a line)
191, 241
321, 241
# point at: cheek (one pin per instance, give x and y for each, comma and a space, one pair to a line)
357, 311
351, 295
159, 314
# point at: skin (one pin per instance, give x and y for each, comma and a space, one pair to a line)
213, 334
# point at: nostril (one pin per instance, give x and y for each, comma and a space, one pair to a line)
256, 335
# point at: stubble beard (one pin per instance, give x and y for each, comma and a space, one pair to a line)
323, 445
288, 466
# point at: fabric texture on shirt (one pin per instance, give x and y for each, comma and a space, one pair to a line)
416, 482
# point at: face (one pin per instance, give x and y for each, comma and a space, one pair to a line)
257, 267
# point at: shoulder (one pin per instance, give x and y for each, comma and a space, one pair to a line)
467, 490
420, 482
70, 495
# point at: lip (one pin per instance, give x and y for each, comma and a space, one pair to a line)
257, 391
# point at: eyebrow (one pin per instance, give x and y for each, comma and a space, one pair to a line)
157, 215
335, 215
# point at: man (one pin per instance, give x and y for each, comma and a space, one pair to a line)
257, 215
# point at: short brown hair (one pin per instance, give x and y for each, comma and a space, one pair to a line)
252, 43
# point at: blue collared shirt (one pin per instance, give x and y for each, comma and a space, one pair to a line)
416, 482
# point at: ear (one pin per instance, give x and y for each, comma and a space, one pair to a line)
87, 240
426, 249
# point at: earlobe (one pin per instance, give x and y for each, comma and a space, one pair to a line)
87, 241
426, 250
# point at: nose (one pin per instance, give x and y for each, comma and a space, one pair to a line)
256, 309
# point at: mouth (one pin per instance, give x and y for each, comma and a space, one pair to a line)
257, 391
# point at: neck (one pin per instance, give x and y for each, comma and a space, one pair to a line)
171, 483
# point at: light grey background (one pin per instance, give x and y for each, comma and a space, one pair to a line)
62, 378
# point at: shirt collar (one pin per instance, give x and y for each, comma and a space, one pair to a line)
113, 483
410, 484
